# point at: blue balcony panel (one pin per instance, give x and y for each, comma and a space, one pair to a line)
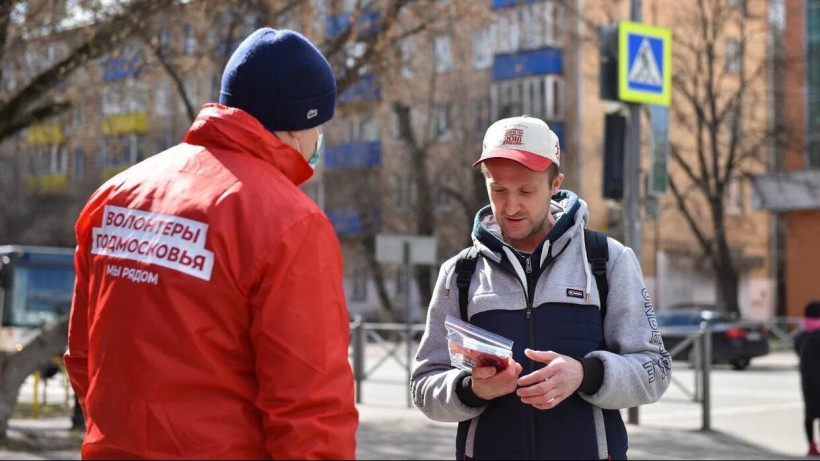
115, 69
558, 129
353, 155
366, 89
368, 23
498, 4
541, 61
348, 222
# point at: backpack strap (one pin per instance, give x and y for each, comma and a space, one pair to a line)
597, 255
465, 267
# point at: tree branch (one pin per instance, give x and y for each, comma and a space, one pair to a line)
706, 247
104, 38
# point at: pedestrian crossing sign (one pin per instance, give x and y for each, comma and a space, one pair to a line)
644, 64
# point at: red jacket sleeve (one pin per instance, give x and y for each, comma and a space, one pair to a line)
301, 335
76, 358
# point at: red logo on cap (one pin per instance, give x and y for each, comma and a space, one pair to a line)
514, 136
557, 149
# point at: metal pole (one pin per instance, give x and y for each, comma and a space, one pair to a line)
408, 266
697, 353
358, 355
706, 363
632, 176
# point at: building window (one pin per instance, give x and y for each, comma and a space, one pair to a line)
483, 48
551, 15
164, 40
359, 285
406, 58
443, 55
735, 197
539, 96
188, 40
737, 5
162, 100
369, 128
482, 116
79, 164
10, 75
443, 197
734, 56
813, 83
78, 118
441, 122
401, 193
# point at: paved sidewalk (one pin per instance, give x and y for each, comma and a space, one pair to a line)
400, 433
390, 432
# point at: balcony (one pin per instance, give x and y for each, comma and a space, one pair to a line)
120, 124
498, 4
366, 89
347, 221
44, 134
787, 191
367, 23
48, 184
115, 69
541, 61
353, 155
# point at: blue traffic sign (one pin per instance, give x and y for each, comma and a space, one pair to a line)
645, 64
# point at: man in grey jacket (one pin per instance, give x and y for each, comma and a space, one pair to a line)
573, 367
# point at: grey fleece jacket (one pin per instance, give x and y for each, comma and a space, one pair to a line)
635, 363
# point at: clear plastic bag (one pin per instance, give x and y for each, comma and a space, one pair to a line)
471, 346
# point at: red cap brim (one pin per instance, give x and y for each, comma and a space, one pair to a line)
530, 160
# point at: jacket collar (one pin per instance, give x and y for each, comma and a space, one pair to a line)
229, 128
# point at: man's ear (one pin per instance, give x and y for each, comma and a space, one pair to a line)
556, 183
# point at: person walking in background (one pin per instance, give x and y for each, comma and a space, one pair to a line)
578, 355
209, 318
807, 344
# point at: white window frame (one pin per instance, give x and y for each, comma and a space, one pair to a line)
483, 48
402, 191
444, 201
406, 58
188, 40
735, 197
442, 54
442, 122
554, 97
734, 56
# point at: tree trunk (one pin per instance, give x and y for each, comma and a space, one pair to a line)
376, 270
424, 207
15, 368
728, 283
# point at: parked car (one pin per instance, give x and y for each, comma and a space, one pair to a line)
734, 341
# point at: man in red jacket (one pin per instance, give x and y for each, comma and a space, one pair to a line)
209, 319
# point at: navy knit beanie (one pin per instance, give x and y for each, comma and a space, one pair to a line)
281, 79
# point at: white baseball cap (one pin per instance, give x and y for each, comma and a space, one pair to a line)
526, 140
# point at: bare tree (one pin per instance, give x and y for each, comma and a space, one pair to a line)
16, 367
31, 103
717, 101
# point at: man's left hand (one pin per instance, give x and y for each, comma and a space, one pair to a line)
546, 388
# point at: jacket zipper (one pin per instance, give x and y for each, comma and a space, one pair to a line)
528, 298
531, 345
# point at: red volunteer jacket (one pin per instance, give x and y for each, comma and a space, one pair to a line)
209, 319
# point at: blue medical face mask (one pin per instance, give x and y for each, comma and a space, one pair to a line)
318, 153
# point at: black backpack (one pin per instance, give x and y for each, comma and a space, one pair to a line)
597, 255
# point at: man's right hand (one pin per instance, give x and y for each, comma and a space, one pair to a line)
489, 384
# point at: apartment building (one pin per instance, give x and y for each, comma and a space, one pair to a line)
792, 190
490, 59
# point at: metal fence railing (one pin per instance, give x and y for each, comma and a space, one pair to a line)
701, 392
389, 337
